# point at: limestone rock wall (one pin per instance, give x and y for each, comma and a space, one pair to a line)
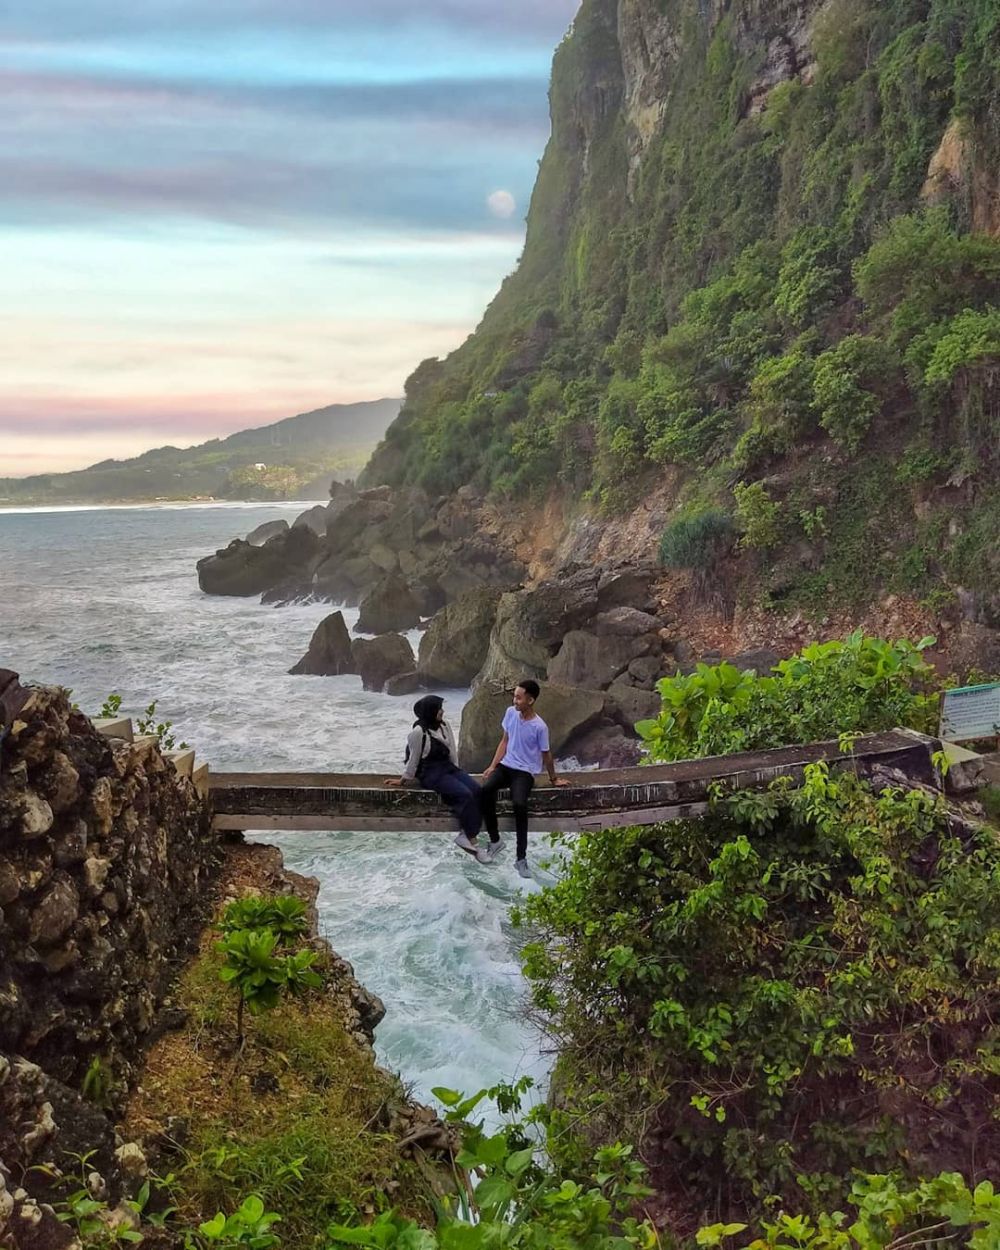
106, 856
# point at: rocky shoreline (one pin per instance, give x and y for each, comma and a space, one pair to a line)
597, 634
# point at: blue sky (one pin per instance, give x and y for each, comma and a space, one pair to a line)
216, 214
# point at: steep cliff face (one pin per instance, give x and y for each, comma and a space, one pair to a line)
759, 286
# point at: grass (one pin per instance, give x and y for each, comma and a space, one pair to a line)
301, 1117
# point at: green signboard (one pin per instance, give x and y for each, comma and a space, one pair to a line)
971, 712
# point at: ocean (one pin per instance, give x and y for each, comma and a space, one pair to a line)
104, 600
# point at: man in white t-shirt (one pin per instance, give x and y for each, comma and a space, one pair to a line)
523, 749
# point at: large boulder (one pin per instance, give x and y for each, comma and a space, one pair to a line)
628, 586
627, 705
263, 533
242, 569
453, 649
378, 659
604, 746
329, 651
388, 608
625, 622
593, 663
531, 625
566, 712
314, 518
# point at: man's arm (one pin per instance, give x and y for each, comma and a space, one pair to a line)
550, 768
498, 755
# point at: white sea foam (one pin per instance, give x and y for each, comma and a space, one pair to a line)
108, 600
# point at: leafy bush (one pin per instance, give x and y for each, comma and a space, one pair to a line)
697, 539
284, 915
862, 684
258, 975
844, 388
756, 515
521, 1202
802, 984
248, 1228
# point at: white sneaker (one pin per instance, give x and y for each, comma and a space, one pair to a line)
466, 844
493, 849
522, 867
483, 856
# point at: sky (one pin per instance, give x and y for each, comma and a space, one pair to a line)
218, 213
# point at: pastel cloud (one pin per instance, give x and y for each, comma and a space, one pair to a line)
218, 214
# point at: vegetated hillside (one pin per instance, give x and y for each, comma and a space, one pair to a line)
763, 247
300, 455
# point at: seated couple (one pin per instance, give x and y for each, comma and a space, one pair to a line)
432, 760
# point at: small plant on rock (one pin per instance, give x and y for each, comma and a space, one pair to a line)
248, 1228
259, 976
284, 915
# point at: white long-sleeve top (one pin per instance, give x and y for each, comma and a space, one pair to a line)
419, 743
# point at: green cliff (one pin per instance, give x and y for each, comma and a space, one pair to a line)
762, 265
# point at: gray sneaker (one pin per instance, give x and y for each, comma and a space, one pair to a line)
483, 855
466, 844
493, 849
522, 867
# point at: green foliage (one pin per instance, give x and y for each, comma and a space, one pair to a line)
696, 540
845, 388
161, 730
887, 1213
258, 974
283, 914
98, 1084
766, 997
111, 707
757, 516
520, 1201
248, 1228
862, 684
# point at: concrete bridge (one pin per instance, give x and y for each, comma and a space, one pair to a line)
257, 802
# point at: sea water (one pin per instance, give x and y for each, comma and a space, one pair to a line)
104, 600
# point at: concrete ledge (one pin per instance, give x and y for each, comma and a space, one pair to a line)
200, 780
115, 727
183, 761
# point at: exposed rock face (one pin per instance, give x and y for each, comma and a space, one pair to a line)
268, 530
584, 659
243, 570
329, 651
100, 879
388, 608
454, 648
441, 549
378, 659
106, 857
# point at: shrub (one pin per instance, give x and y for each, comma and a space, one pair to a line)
756, 515
843, 388
697, 539
862, 684
803, 983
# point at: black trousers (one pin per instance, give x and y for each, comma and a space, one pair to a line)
519, 783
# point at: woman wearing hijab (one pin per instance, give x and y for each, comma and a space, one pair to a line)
432, 760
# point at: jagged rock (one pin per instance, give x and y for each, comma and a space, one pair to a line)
453, 649
531, 625
242, 570
606, 746
378, 659
388, 608
624, 622
566, 711
54, 914
626, 587
13, 696
268, 530
627, 705
329, 651
36, 816
404, 683
759, 661
593, 663
314, 518
646, 671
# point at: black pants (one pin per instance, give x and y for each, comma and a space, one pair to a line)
519, 783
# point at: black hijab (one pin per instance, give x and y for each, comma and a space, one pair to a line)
426, 711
